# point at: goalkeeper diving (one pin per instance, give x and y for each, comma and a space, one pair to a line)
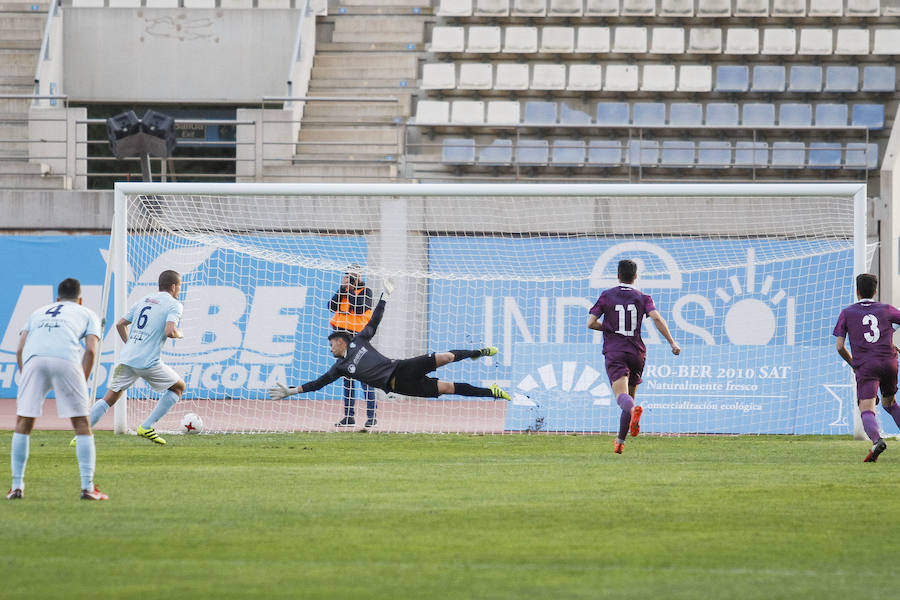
356, 358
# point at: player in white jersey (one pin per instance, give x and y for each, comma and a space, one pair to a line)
153, 319
50, 357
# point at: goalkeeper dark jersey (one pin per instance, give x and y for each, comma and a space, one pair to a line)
363, 362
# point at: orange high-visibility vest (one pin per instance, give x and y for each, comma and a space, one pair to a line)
350, 321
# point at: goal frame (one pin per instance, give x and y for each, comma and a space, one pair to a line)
117, 263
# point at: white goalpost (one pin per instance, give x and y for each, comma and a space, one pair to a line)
750, 277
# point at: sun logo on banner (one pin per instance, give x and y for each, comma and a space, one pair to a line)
548, 377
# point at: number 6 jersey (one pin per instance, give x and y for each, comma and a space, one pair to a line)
622, 310
148, 329
867, 325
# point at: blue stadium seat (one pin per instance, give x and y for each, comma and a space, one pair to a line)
649, 114
533, 152
768, 78
498, 153
458, 151
732, 78
751, 154
568, 153
805, 78
788, 155
879, 79
713, 155
685, 114
825, 155
841, 79
540, 113
677, 153
831, 115
644, 153
612, 113
605, 153
861, 156
795, 115
573, 116
722, 114
868, 115
758, 115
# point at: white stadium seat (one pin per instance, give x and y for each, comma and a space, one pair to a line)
667, 40
621, 78
503, 112
476, 76
137, 4
468, 112
705, 40
852, 42
713, 8
742, 40
455, 8
522, 40
788, 8
548, 76
658, 78
240, 4
585, 78
826, 8
432, 111
601, 8
594, 40
557, 39
174, 4
887, 41
816, 41
566, 8
751, 8
511, 76
695, 78
778, 40
676, 8
483, 39
529, 8
448, 39
630, 40
491, 8
638, 8
439, 76
199, 3
863, 8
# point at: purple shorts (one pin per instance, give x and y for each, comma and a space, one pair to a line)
874, 374
619, 364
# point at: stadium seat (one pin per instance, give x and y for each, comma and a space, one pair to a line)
573, 116
879, 79
476, 76
557, 39
521, 40
483, 39
815, 41
458, 151
788, 8
497, 153
795, 115
721, 114
676, 8
604, 153
539, 112
826, 8
612, 113
568, 153
742, 40
511, 76
201, 4
550, 76
630, 40
868, 115
592, 40
529, 8
861, 156
137, 4
887, 41
438, 76
455, 8
174, 4
601, 8
732, 78
642, 153
503, 112
566, 8
713, 154
621, 78
647, 114
751, 8
713, 8
686, 114
677, 153
788, 155
841, 79
758, 114
585, 78
532, 152
779, 41
824, 155
448, 39
853, 42
658, 78
491, 8
667, 40
831, 115
863, 8
805, 78
433, 112
768, 78
695, 78
467, 112
751, 154
705, 40
638, 8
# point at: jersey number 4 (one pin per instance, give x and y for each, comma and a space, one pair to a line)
54, 310
626, 325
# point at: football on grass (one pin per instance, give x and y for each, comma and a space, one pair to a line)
191, 423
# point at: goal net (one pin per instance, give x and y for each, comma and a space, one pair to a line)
750, 277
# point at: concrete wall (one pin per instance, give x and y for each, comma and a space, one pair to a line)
50, 210
157, 54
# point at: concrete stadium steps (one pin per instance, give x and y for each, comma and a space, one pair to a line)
357, 142
354, 113
347, 170
20, 174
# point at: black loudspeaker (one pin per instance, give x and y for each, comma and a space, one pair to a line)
124, 132
130, 136
159, 133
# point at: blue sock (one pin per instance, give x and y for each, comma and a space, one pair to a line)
97, 411
18, 458
167, 401
87, 458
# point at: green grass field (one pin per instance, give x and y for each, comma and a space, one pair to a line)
450, 516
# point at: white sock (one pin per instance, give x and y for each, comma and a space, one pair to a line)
97, 411
166, 402
18, 457
87, 458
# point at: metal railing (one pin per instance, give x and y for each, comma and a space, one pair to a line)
45, 47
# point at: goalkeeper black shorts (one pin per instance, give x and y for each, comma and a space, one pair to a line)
410, 377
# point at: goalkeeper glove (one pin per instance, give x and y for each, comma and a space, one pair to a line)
280, 392
388, 285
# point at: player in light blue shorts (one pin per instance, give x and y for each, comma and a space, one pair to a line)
153, 320
51, 358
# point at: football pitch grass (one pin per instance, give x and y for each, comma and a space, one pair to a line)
455, 516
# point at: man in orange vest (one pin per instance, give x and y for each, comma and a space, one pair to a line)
352, 307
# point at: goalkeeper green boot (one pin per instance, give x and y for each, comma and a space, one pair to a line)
489, 351
151, 435
499, 393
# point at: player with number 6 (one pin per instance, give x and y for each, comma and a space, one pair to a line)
618, 313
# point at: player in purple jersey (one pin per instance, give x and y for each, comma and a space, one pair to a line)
622, 309
869, 326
